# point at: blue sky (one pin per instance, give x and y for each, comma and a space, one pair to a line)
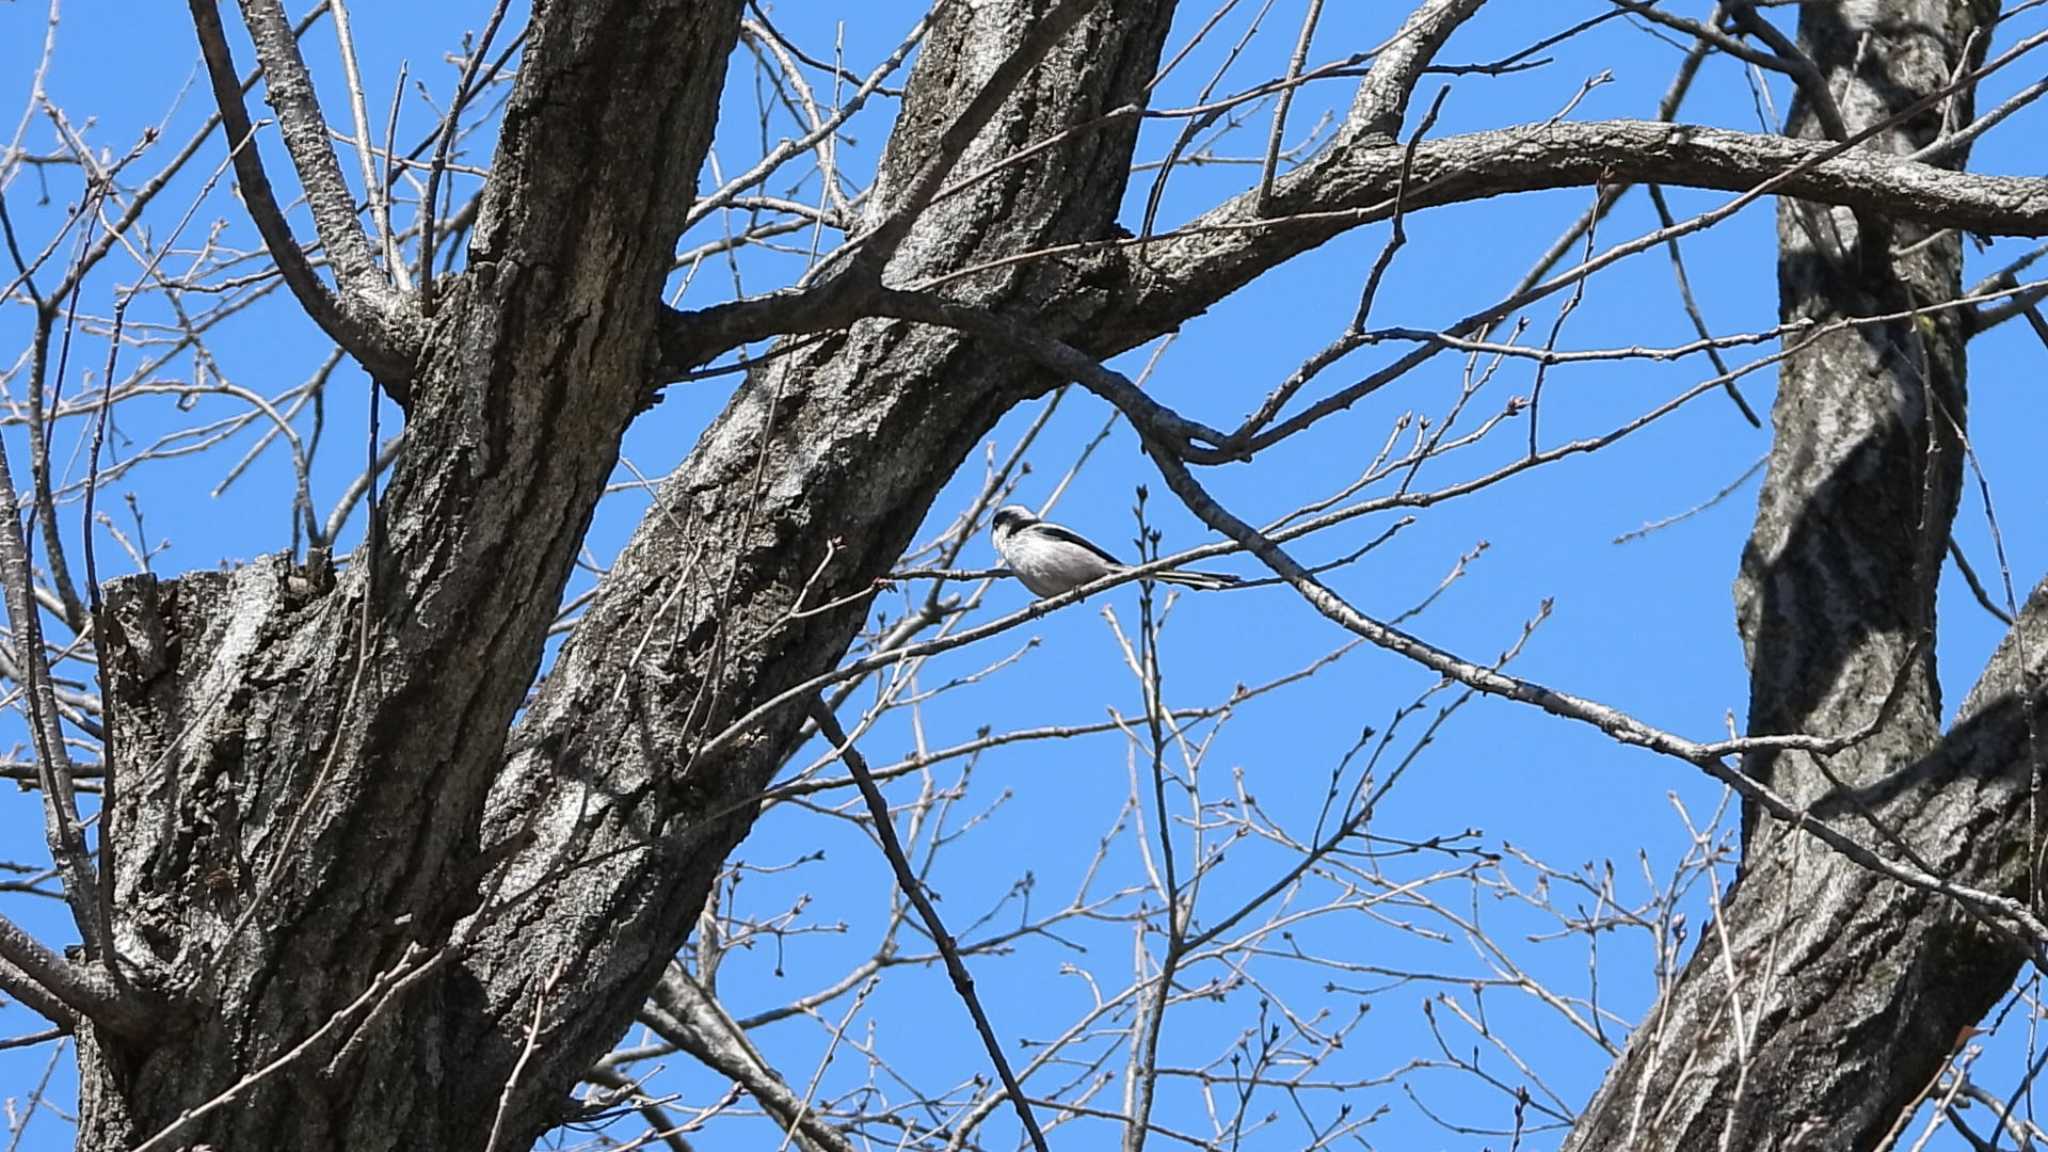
1646, 626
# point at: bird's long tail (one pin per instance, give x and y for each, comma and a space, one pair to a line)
1188, 578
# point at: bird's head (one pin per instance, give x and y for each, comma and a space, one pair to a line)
1010, 517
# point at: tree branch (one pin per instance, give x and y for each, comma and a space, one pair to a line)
49, 977
840, 297
712, 606
2014, 916
1182, 273
1158, 427
1784, 57
1837, 593
365, 317
1796, 64
389, 701
873, 251
288, 89
913, 890
685, 1015
31, 993
1382, 100
62, 828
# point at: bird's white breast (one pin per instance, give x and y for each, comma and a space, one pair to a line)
1048, 566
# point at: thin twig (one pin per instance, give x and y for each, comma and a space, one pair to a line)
379, 341
444, 144
906, 879
1268, 169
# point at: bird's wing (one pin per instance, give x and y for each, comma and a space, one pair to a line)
1069, 536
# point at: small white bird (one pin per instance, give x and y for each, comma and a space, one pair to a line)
1050, 559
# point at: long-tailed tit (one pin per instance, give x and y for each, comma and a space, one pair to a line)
1050, 559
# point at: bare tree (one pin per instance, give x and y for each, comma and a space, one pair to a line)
353, 860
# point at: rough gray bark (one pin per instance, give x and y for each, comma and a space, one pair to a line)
846, 442
325, 753
1837, 994
338, 851
328, 798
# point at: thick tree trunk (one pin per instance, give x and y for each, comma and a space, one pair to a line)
837, 448
1835, 994
307, 765
331, 853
